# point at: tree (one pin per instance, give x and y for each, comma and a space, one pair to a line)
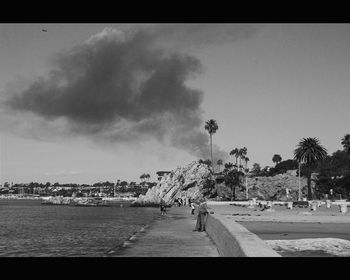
334, 173
232, 178
283, 167
265, 171
242, 153
123, 183
276, 159
211, 126
219, 163
246, 159
228, 166
207, 162
309, 151
143, 177
208, 189
345, 141
256, 169
234, 153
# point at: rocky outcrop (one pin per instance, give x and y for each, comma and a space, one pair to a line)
183, 182
274, 187
189, 182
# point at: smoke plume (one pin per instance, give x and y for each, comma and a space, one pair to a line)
125, 86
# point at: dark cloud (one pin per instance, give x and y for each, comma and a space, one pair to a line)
123, 86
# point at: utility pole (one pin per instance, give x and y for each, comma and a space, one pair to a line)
246, 187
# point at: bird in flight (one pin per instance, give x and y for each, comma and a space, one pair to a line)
43, 30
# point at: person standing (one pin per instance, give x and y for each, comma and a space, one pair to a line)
193, 207
202, 215
162, 208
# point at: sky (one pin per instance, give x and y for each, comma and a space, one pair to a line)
84, 103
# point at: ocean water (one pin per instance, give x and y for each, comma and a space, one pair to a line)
30, 229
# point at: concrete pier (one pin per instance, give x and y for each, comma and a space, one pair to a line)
172, 236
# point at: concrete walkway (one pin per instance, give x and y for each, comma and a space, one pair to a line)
171, 236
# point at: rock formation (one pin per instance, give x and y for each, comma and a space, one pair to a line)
183, 182
274, 187
189, 181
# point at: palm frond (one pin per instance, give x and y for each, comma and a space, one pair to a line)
309, 151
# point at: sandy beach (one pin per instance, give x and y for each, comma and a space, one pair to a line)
282, 214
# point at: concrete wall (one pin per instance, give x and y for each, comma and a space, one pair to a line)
234, 240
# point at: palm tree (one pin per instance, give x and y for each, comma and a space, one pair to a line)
229, 166
232, 178
238, 156
211, 126
219, 163
234, 153
143, 177
309, 151
276, 159
242, 153
246, 159
346, 143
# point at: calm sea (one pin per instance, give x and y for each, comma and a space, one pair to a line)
30, 229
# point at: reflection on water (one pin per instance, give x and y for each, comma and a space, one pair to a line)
30, 229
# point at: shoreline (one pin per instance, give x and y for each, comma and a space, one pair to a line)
232, 231
107, 199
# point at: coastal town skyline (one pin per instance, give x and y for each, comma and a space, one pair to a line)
266, 85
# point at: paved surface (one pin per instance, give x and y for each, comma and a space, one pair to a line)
171, 236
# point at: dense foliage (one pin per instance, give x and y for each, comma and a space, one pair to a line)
280, 168
334, 173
